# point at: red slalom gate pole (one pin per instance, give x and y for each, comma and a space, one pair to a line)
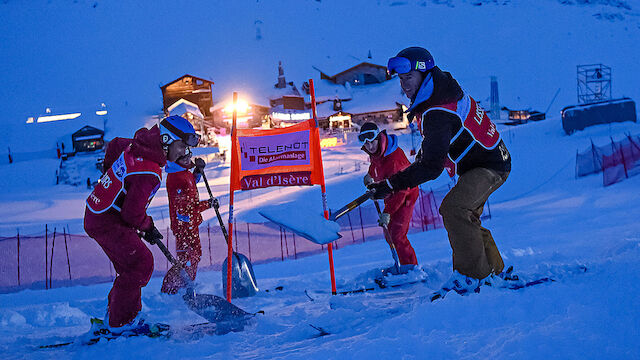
231, 197
323, 188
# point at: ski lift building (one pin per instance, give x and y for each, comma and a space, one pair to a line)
87, 139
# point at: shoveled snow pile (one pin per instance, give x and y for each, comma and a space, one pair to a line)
297, 217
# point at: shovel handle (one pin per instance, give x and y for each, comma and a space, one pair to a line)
352, 205
167, 254
387, 237
217, 209
174, 262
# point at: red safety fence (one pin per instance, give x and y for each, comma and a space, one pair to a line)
55, 258
623, 162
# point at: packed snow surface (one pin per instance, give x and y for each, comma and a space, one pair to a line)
310, 225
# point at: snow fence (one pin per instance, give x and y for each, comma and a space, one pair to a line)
617, 160
55, 258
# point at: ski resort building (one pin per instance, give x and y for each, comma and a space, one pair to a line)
87, 139
191, 88
354, 91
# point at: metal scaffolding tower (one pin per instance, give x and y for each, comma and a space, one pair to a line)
594, 83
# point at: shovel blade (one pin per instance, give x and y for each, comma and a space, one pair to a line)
243, 279
216, 309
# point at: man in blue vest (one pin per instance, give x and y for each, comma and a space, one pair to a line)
459, 136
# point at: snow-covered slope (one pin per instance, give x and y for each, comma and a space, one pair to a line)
72, 54
545, 223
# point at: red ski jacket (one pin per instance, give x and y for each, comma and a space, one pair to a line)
184, 201
388, 160
140, 188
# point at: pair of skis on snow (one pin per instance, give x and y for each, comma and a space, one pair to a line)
509, 281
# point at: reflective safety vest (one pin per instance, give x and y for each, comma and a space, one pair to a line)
110, 191
475, 128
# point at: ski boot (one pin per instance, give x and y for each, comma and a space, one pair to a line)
459, 283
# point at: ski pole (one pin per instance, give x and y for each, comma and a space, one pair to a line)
387, 236
216, 207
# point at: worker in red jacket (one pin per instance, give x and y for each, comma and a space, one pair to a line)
387, 159
184, 209
116, 213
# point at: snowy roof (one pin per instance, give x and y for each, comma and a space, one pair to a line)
375, 97
183, 106
326, 90
333, 65
185, 75
325, 109
289, 90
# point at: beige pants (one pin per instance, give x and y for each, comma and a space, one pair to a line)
475, 254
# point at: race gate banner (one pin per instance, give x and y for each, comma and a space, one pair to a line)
276, 157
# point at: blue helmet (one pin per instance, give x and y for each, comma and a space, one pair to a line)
176, 127
411, 58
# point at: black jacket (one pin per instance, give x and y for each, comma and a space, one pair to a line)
438, 128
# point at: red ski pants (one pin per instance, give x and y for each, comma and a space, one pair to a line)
132, 261
398, 229
189, 252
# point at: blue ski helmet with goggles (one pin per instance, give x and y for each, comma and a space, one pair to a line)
411, 58
368, 132
175, 128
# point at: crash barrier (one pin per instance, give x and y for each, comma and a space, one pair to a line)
617, 160
56, 258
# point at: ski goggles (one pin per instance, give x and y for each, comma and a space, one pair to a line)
398, 65
368, 136
190, 139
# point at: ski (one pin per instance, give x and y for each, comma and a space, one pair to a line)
508, 281
512, 282
99, 331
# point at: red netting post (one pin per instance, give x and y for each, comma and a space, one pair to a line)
295, 250
353, 237
46, 257
209, 238
66, 250
249, 240
18, 237
435, 214
621, 158
361, 224
286, 246
281, 246
53, 245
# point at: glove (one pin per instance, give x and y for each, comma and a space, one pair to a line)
384, 219
200, 164
380, 189
367, 180
153, 235
214, 203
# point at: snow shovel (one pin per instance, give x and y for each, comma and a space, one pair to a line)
387, 237
243, 279
211, 307
313, 227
